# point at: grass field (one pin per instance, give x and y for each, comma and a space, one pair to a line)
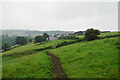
94, 59
86, 59
32, 66
31, 46
81, 36
102, 34
37, 65
109, 34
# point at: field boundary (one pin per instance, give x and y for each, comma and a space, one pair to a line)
29, 52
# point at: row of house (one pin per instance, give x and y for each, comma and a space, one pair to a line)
56, 36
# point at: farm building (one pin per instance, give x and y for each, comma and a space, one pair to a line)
79, 33
52, 38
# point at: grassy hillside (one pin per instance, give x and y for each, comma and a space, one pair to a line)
37, 65
108, 34
86, 59
102, 34
32, 66
93, 59
31, 46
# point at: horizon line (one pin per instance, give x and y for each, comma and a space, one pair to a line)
53, 30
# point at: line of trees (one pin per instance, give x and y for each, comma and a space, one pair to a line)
22, 40
6, 44
90, 34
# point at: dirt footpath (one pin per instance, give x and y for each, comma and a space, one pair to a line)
56, 66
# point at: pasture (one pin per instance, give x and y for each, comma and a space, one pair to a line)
85, 59
93, 59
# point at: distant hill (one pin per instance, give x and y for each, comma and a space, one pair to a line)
31, 32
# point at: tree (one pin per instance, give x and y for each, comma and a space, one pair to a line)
30, 40
5, 46
45, 36
21, 40
91, 34
39, 39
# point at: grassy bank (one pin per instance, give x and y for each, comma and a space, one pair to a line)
102, 34
31, 46
93, 59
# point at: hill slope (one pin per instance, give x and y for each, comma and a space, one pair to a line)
86, 59
16, 64
93, 59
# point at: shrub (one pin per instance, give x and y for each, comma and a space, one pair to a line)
39, 39
30, 40
91, 34
5, 46
21, 40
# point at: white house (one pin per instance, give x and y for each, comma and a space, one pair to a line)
52, 38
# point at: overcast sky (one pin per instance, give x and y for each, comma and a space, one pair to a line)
60, 15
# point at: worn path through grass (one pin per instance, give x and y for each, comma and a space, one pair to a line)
56, 66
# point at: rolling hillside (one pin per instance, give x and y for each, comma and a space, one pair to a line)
86, 59
103, 34
37, 65
94, 59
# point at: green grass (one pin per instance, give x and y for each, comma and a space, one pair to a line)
37, 65
81, 36
31, 46
87, 59
0, 66
93, 59
108, 34
101, 35
32, 66
14, 46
